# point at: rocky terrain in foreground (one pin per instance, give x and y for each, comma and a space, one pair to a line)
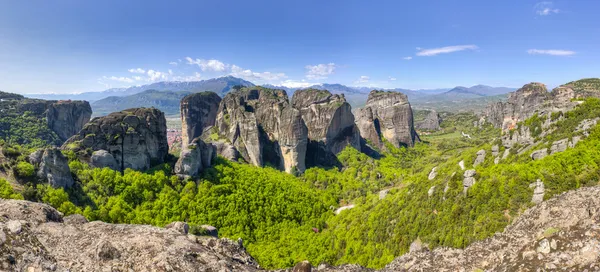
560, 234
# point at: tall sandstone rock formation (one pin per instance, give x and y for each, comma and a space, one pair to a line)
198, 112
330, 124
136, 138
261, 124
64, 117
431, 122
534, 98
387, 115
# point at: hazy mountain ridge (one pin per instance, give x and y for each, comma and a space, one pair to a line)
219, 85
166, 95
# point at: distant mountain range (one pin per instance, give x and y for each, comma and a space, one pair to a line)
167, 94
219, 85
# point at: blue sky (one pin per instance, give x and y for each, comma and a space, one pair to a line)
77, 46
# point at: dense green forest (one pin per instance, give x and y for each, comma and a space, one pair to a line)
284, 219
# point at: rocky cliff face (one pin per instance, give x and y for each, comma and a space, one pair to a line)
36, 237
330, 124
52, 166
525, 102
136, 138
195, 157
558, 234
198, 112
431, 123
261, 124
387, 115
66, 118
531, 99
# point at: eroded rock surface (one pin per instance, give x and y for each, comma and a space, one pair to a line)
194, 158
198, 113
330, 124
46, 242
387, 115
264, 128
136, 138
558, 234
66, 118
431, 122
54, 168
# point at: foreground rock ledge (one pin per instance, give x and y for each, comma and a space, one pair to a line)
37, 238
562, 233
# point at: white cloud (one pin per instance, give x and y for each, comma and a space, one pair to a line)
407, 58
392, 78
137, 71
553, 52
156, 76
363, 79
207, 65
138, 78
174, 63
195, 77
250, 75
170, 72
119, 79
319, 71
296, 84
545, 8
444, 50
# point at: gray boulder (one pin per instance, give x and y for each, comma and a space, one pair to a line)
538, 191
480, 158
102, 158
468, 179
54, 168
539, 154
181, 227
495, 150
195, 157
210, 230
559, 146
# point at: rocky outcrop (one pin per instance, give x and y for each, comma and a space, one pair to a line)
539, 154
330, 124
195, 157
480, 158
66, 118
534, 98
198, 112
387, 115
38, 238
522, 104
102, 158
432, 174
264, 128
54, 168
538, 191
469, 179
136, 138
558, 234
430, 123
559, 146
